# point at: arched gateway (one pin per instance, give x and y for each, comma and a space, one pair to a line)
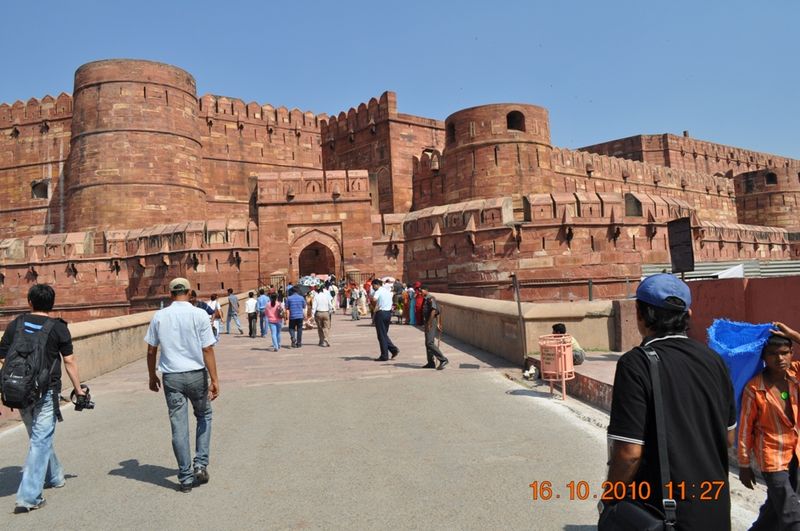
316, 258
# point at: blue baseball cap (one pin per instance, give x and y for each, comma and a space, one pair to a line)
656, 289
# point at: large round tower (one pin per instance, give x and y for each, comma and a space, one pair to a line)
135, 148
496, 150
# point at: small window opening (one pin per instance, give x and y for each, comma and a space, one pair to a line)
515, 121
39, 189
633, 207
771, 179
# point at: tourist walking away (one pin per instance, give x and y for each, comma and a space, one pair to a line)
187, 363
275, 311
355, 298
216, 317
412, 303
382, 298
768, 431
430, 309
233, 312
261, 305
578, 354
36, 343
296, 306
699, 416
322, 308
252, 313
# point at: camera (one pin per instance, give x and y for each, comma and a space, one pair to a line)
82, 402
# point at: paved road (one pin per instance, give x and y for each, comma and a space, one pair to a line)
325, 438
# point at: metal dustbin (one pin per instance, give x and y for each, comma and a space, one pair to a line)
556, 360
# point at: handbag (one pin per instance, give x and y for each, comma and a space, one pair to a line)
635, 515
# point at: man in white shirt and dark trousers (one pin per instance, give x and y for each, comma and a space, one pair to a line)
322, 309
187, 362
383, 317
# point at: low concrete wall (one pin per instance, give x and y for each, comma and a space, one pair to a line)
493, 325
104, 345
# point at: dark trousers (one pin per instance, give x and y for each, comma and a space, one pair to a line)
383, 318
782, 508
251, 323
431, 348
296, 331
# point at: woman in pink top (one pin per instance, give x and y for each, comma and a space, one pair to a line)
275, 313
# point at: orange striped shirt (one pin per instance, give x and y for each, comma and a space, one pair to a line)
764, 429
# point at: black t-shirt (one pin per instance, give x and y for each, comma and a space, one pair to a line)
699, 409
59, 341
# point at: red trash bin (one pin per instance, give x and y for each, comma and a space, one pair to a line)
556, 360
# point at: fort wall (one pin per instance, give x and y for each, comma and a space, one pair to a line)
769, 196
686, 153
378, 138
34, 145
242, 140
131, 271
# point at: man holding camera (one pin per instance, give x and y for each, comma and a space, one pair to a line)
187, 363
42, 467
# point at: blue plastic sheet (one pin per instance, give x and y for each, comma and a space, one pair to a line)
740, 345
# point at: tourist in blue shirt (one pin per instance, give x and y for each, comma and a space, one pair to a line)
261, 308
296, 304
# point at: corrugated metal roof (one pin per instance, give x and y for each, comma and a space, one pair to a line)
752, 268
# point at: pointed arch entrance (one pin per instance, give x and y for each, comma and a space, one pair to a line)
316, 251
316, 258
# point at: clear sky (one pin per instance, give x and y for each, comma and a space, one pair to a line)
727, 71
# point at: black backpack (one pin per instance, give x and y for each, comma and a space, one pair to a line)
26, 373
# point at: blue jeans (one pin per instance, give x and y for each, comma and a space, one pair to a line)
41, 464
262, 321
178, 388
235, 316
275, 332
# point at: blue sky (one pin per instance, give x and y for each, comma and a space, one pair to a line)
726, 71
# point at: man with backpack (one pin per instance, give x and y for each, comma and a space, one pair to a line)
34, 344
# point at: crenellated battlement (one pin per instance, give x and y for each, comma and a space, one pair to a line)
594, 166
236, 110
35, 110
365, 116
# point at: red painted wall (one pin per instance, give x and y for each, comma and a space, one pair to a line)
757, 300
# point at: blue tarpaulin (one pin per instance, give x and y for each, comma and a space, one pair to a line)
740, 345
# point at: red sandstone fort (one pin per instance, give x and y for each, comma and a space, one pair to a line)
133, 179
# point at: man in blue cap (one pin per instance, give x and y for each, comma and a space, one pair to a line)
699, 412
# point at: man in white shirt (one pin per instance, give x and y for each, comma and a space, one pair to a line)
382, 295
322, 309
252, 313
187, 362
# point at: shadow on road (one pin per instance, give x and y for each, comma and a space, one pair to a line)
154, 474
529, 392
9, 480
354, 358
571, 527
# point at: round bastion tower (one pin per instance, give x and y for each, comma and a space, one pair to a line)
496, 150
135, 149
